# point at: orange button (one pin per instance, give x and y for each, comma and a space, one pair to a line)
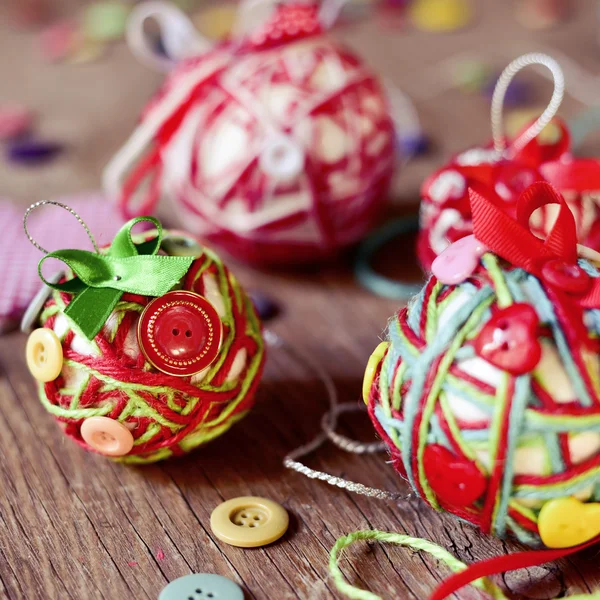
107, 436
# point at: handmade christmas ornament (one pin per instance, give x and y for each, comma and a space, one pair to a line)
145, 349
504, 168
487, 391
276, 145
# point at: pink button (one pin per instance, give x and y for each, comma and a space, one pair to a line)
458, 261
107, 436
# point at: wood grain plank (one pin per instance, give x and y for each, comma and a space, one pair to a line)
74, 525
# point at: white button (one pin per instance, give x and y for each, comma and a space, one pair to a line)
282, 158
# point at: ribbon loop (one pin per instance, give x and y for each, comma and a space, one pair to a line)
562, 238
513, 240
101, 279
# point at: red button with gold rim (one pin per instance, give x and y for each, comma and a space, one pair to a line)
180, 333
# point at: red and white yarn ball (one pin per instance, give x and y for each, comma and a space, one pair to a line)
445, 212
110, 378
278, 148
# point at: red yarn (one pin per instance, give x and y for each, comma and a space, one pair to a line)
115, 363
446, 215
239, 206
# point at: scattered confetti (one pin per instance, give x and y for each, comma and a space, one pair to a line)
265, 306
32, 151
86, 52
160, 555
58, 40
14, 121
441, 15
472, 76
132, 563
105, 21
541, 14
413, 145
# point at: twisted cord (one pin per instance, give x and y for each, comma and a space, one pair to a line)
328, 424
65, 207
533, 58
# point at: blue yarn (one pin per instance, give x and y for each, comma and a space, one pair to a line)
374, 282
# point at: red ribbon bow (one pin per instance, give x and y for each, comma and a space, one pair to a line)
553, 260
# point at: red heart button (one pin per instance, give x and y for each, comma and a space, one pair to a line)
570, 278
509, 339
454, 480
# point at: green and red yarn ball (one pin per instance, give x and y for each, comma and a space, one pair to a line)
489, 434
167, 415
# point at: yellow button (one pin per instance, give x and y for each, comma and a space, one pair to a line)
44, 354
371, 369
568, 522
249, 522
441, 15
107, 436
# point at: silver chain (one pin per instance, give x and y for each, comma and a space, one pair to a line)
497, 117
68, 209
328, 425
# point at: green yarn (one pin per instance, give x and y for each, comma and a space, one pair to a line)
167, 415
414, 543
432, 388
419, 544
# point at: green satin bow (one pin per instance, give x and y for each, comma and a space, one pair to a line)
103, 278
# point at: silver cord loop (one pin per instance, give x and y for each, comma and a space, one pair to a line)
497, 118
68, 209
329, 423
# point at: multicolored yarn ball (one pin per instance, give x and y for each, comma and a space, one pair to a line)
487, 390
276, 145
107, 388
445, 214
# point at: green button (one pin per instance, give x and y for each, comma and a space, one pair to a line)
202, 586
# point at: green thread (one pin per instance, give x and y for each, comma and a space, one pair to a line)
217, 415
454, 316
419, 544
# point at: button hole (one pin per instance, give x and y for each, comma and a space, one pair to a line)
198, 591
188, 333
175, 331
257, 518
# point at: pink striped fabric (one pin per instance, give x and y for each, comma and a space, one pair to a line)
52, 228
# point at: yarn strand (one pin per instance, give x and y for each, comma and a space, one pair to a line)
460, 569
328, 425
414, 543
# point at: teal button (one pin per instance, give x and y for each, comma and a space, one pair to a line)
202, 586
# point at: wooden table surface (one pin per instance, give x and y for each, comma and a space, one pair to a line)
74, 525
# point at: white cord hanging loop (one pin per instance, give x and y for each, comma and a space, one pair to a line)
497, 118
179, 36
60, 205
